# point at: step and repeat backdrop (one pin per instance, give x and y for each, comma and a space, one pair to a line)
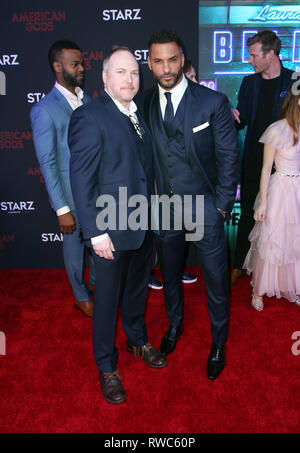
214, 35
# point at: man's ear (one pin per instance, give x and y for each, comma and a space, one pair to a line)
104, 77
57, 66
149, 64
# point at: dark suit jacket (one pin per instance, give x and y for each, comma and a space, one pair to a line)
248, 101
104, 157
210, 141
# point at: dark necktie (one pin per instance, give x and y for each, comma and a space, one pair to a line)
169, 114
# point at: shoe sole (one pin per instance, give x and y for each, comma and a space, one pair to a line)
154, 287
186, 282
114, 402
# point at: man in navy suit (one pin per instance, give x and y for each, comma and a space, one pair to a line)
50, 119
260, 100
111, 152
197, 154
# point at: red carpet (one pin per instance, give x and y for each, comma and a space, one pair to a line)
49, 382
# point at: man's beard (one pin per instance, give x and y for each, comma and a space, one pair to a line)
71, 80
172, 83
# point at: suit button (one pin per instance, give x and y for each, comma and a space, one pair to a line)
143, 179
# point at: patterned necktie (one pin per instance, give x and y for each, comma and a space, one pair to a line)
138, 129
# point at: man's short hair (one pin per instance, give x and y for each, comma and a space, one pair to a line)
164, 36
113, 50
268, 40
56, 49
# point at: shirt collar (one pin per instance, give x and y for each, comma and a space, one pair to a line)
177, 91
68, 94
132, 106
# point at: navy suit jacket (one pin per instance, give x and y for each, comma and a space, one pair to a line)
104, 157
248, 98
50, 119
210, 141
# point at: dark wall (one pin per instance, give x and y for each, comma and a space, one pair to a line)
29, 235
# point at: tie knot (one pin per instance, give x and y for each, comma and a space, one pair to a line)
168, 96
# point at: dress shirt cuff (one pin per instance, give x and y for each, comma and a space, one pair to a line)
100, 238
63, 210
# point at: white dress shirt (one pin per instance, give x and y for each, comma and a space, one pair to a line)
74, 100
177, 95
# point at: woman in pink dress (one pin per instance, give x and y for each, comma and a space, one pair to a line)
274, 255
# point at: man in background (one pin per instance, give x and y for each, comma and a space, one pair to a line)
259, 103
50, 120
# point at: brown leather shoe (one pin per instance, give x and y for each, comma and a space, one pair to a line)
111, 387
151, 356
85, 307
236, 274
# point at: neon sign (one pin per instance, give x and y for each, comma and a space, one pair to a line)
224, 46
275, 15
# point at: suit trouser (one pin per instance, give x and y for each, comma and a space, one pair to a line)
249, 190
73, 252
123, 279
212, 254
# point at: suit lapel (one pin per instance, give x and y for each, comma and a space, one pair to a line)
62, 101
192, 108
157, 131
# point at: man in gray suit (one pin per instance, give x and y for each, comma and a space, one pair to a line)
50, 120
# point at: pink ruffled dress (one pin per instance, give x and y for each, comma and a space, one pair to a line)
274, 255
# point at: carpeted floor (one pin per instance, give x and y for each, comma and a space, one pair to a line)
49, 382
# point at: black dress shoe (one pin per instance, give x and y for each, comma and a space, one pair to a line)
154, 283
111, 387
151, 356
216, 361
170, 339
186, 277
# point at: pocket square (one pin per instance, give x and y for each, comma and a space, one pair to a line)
202, 126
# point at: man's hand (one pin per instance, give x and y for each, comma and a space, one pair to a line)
67, 223
236, 115
222, 212
105, 249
